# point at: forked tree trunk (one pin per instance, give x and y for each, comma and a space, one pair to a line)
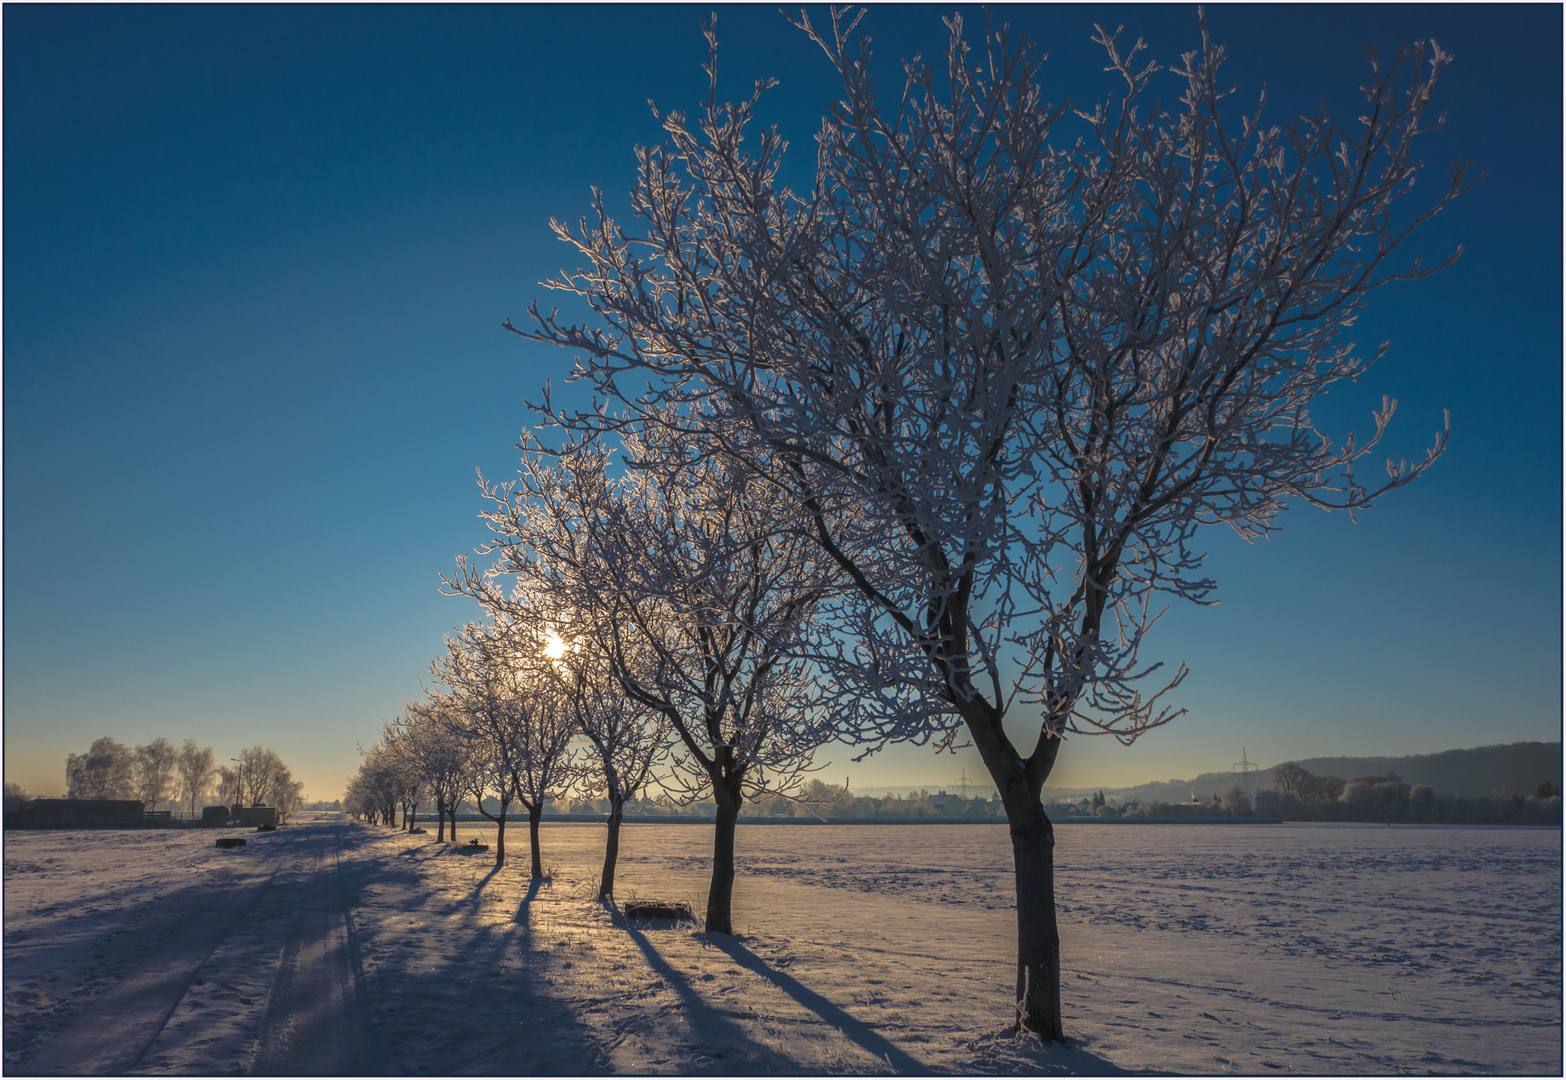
611, 847
1020, 783
534, 814
720, 894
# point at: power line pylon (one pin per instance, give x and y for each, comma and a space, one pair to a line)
1246, 767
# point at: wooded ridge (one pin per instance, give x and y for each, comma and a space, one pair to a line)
1477, 771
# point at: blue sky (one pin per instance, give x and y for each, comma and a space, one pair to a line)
256, 262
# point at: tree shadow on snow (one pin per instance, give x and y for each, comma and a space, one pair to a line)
707, 1023
478, 889
523, 916
483, 1006
854, 1029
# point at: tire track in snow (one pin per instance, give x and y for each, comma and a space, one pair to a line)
314, 1019
115, 1031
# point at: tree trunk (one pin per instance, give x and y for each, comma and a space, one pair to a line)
1020, 783
500, 839
534, 813
1038, 934
611, 848
413, 818
440, 816
720, 895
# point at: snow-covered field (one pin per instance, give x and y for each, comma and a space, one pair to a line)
861, 949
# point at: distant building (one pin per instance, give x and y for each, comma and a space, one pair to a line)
251, 817
76, 814
948, 805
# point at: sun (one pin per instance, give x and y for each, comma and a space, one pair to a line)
555, 648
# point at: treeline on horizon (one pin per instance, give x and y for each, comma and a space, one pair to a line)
1481, 770
1296, 794
815, 800
1300, 795
161, 775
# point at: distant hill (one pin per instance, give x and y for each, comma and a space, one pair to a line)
1458, 772
1478, 771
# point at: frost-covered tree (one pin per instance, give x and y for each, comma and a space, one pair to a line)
627, 738
1290, 779
1012, 357
103, 772
407, 776
153, 771
197, 769
228, 785
1236, 800
545, 766
263, 780
518, 734
372, 791
700, 590
442, 758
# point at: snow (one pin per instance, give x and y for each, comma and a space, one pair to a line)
861, 949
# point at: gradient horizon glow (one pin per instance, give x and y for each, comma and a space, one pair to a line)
256, 262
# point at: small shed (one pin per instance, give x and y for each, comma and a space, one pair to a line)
254, 816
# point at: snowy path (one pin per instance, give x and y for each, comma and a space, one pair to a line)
153, 952
114, 1032
313, 1020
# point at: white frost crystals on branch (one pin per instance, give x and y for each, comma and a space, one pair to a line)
1010, 357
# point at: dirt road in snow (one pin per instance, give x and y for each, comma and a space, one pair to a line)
157, 953
313, 1023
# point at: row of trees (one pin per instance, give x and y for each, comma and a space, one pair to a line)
1232, 802
814, 800
1299, 795
658, 622
160, 773
917, 451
